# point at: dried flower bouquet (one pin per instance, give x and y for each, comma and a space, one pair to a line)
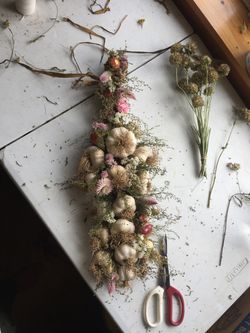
196, 77
117, 170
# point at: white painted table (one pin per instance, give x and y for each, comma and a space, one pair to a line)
43, 160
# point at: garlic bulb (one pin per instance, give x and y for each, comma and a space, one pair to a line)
124, 203
103, 235
91, 160
143, 153
126, 274
26, 7
89, 178
119, 176
121, 142
123, 253
96, 156
123, 225
103, 259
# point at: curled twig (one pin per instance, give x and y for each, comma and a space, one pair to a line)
214, 174
46, 31
102, 10
237, 197
109, 31
87, 30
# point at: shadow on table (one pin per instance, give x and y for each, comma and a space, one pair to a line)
40, 290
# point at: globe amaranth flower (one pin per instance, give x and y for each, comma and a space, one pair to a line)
101, 126
109, 160
105, 77
122, 105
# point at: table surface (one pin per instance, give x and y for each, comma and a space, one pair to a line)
43, 160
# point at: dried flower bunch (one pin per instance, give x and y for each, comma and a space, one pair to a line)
196, 77
117, 170
244, 114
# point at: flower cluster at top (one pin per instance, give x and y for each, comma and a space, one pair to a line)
117, 170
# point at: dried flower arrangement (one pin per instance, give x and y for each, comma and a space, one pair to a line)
117, 170
243, 114
196, 77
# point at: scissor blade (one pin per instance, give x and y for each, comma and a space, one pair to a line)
166, 267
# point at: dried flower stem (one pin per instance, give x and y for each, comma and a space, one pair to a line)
239, 203
214, 175
196, 76
201, 129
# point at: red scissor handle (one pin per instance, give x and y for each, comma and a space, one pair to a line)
171, 292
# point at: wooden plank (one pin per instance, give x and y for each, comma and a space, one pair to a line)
218, 24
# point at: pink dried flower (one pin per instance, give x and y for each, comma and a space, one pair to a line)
151, 201
109, 160
104, 186
112, 284
124, 62
104, 174
105, 77
122, 105
147, 229
101, 126
124, 92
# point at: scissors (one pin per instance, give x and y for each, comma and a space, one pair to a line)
158, 293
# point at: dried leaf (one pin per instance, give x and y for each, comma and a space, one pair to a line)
56, 73
141, 22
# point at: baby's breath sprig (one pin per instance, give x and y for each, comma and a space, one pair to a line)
196, 77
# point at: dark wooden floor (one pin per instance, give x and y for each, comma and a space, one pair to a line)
40, 290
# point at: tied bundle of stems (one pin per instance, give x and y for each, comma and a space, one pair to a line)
196, 77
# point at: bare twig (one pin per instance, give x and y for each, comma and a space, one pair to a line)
102, 10
12, 46
110, 32
46, 31
88, 31
214, 174
237, 199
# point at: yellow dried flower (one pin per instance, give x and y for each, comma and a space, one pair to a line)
213, 75
176, 48
206, 60
192, 88
233, 166
175, 59
223, 70
191, 47
197, 101
244, 114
